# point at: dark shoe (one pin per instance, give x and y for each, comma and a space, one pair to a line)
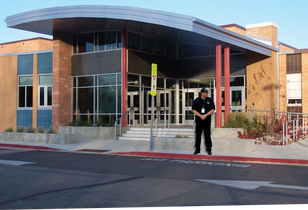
209, 152
196, 152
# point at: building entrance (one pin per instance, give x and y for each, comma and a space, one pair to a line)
174, 97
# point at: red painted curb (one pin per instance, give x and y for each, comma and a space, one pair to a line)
20, 146
215, 158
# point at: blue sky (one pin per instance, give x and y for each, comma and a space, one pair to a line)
290, 16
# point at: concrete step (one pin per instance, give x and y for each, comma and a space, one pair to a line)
159, 133
148, 135
134, 138
163, 129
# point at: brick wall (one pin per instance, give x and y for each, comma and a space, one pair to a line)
62, 80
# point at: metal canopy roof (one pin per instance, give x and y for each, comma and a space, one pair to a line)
78, 19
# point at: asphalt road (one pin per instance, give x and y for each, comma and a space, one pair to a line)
43, 179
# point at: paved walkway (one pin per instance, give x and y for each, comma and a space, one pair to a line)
296, 153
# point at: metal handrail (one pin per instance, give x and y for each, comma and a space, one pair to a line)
120, 118
294, 124
158, 116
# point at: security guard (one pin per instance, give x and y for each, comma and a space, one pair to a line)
203, 107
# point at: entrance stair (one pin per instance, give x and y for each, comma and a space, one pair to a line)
143, 133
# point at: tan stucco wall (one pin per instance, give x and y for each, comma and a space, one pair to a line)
8, 91
29, 45
304, 82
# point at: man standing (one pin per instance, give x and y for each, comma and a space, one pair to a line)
203, 107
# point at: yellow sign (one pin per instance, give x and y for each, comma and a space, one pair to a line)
154, 79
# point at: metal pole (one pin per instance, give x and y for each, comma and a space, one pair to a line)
296, 129
115, 130
129, 119
287, 138
169, 119
293, 130
283, 134
151, 135
165, 119
121, 127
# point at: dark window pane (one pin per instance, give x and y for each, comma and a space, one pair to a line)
132, 79
170, 49
85, 81
107, 79
159, 47
86, 43
146, 44
22, 97
107, 100
29, 96
133, 41
42, 96
236, 98
74, 99
85, 100
119, 39
107, 40
49, 96
236, 81
119, 99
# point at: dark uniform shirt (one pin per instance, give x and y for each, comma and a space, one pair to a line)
207, 104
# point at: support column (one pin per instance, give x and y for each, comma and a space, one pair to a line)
227, 81
218, 84
61, 80
124, 76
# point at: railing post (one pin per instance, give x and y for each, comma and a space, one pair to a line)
115, 130
121, 127
129, 119
283, 134
293, 130
165, 119
287, 138
297, 129
169, 119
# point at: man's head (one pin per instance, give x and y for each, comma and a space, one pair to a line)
204, 92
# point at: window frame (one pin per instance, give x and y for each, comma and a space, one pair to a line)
26, 92
45, 86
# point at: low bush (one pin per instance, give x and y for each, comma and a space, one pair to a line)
20, 129
30, 130
10, 129
51, 130
40, 130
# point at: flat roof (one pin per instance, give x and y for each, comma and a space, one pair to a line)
75, 19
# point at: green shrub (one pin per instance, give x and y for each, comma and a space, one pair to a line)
10, 129
80, 123
40, 130
20, 129
51, 130
240, 120
30, 130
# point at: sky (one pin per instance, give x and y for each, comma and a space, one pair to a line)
290, 15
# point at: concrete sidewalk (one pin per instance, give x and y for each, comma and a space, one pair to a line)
296, 153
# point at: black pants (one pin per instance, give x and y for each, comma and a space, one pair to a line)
206, 128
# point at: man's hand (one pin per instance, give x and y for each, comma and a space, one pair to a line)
203, 116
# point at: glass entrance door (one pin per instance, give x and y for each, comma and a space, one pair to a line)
237, 98
190, 95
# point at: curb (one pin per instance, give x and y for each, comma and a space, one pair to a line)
20, 146
215, 158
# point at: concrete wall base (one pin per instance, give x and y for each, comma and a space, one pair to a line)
44, 138
219, 145
89, 132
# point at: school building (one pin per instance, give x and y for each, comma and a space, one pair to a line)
98, 64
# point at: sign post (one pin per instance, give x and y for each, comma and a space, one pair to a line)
153, 93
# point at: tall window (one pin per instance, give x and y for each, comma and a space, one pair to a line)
25, 91
97, 97
45, 90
